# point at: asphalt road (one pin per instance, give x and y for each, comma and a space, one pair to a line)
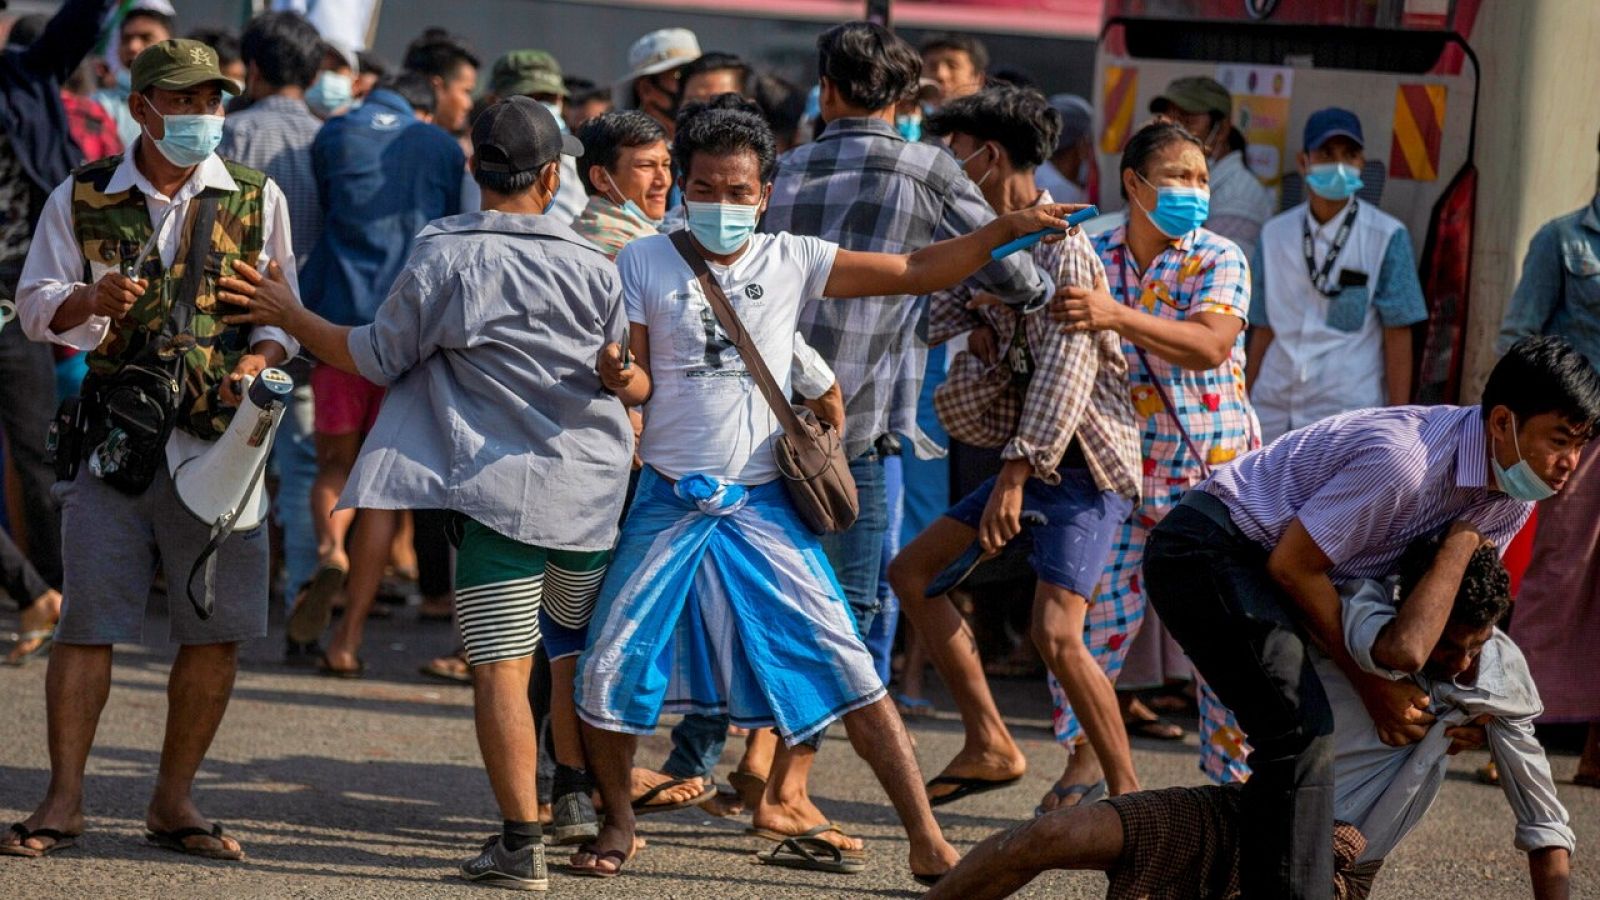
373, 788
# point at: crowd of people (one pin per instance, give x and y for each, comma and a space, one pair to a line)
555, 341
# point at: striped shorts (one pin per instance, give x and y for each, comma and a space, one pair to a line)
510, 595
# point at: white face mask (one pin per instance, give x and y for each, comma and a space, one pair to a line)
986, 172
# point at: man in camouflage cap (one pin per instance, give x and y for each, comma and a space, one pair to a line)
106, 275
537, 74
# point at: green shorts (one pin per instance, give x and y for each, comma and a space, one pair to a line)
509, 593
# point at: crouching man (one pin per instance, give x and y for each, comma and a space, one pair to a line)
1184, 842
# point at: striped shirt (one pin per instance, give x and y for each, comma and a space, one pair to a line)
1367, 483
274, 135
864, 187
1070, 385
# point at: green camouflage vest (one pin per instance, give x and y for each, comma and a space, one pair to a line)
112, 229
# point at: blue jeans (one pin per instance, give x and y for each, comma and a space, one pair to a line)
857, 553
880, 637
294, 455
697, 744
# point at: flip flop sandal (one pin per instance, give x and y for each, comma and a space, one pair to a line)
43, 636
327, 669
928, 880
967, 787
62, 840
1157, 729
643, 806
174, 840
815, 831
436, 669
812, 854
1086, 794
310, 617
593, 870
750, 786
914, 707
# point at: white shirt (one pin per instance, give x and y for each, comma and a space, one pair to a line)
55, 263
705, 414
1240, 203
1326, 355
1062, 190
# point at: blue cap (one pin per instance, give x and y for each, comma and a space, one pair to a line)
1326, 124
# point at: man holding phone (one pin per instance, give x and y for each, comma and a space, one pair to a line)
1335, 293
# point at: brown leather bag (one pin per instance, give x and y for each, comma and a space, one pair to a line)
810, 452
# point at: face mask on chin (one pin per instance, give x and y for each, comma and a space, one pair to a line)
628, 206
1520, 482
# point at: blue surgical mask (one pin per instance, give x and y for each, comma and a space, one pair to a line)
721, 227
330, 93
1520, 482
188, 140
1334, 181
1179, 210
910, 127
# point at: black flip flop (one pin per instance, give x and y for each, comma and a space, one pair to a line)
813, 854
928, 880
967, 787
592, 870
174, 840
62, 841
643, 806
327, 669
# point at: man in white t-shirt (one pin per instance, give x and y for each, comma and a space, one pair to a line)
719, 599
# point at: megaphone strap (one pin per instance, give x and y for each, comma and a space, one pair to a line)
220, 531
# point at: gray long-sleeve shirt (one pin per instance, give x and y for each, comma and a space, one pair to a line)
1385, 791
488, 343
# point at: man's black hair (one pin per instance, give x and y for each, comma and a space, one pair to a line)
441, 57
1012, 76
715, 61
225, 42
1149, 140
723, 132
731, 101
414, 87
26, 29
284, 48
1019, 119
508, 184
965, 43
154, 15
782, 104
582, 90
1485, 593
605, 136
871, 67
1545, 374
370, 63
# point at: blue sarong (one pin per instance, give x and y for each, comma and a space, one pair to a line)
720, 601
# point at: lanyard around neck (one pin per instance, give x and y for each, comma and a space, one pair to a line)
1319, 278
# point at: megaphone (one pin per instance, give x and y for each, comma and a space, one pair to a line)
217, 486
223, 487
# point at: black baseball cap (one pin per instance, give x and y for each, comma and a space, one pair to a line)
518, 134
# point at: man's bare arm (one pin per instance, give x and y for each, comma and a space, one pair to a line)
1405, 643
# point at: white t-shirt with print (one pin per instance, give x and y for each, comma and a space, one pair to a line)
706, 414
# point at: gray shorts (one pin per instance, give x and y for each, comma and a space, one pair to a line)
111, 544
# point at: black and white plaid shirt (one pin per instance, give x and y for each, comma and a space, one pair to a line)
866, 188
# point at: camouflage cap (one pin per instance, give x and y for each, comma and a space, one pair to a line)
1195, 94
174, 65
524, 73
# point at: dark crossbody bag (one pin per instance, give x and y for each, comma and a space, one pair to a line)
810, 452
